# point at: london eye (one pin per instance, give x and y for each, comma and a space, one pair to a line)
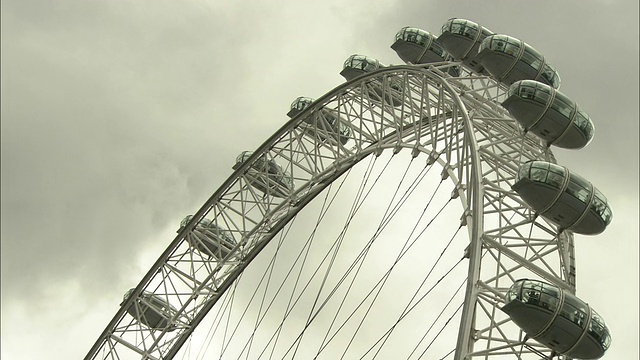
414, 211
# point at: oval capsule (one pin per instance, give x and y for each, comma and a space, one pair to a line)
209, 239
509, 59
557, 319
325, 124
151, 310
266, 175
417, 46
563, 197
549, 114
357, 65
461, 39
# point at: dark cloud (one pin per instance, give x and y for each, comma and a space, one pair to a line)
92, 94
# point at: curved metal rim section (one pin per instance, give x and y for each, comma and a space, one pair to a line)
282, 212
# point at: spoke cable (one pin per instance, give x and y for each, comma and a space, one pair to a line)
360, 199
239, 321
418, 179
270, 269
323, 211
289, 306
307, 246
415, 305
407, 308
381, 226
438, 317
379, 281
442, 329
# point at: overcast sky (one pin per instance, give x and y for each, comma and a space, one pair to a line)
119, 118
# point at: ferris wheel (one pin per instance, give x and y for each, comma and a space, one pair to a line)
413, 212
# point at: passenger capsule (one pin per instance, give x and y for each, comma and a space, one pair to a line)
563, 197
209, 239
325, 125
508, 60
461, 38
557, 319
151, 310
357, 65
548, 113
266, 175
416, 46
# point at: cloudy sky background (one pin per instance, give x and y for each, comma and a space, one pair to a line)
119, 118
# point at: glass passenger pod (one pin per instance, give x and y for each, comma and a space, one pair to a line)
151, 310
557, 319
417, 46
357, 65
209, 239
563, 197
298, 105
548, 113
508, 60
461, 39
266, 175
327, 128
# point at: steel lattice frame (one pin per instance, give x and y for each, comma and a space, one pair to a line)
457, 122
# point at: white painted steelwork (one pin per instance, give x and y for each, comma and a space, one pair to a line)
454, 122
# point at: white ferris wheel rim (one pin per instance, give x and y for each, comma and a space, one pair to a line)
468, 134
